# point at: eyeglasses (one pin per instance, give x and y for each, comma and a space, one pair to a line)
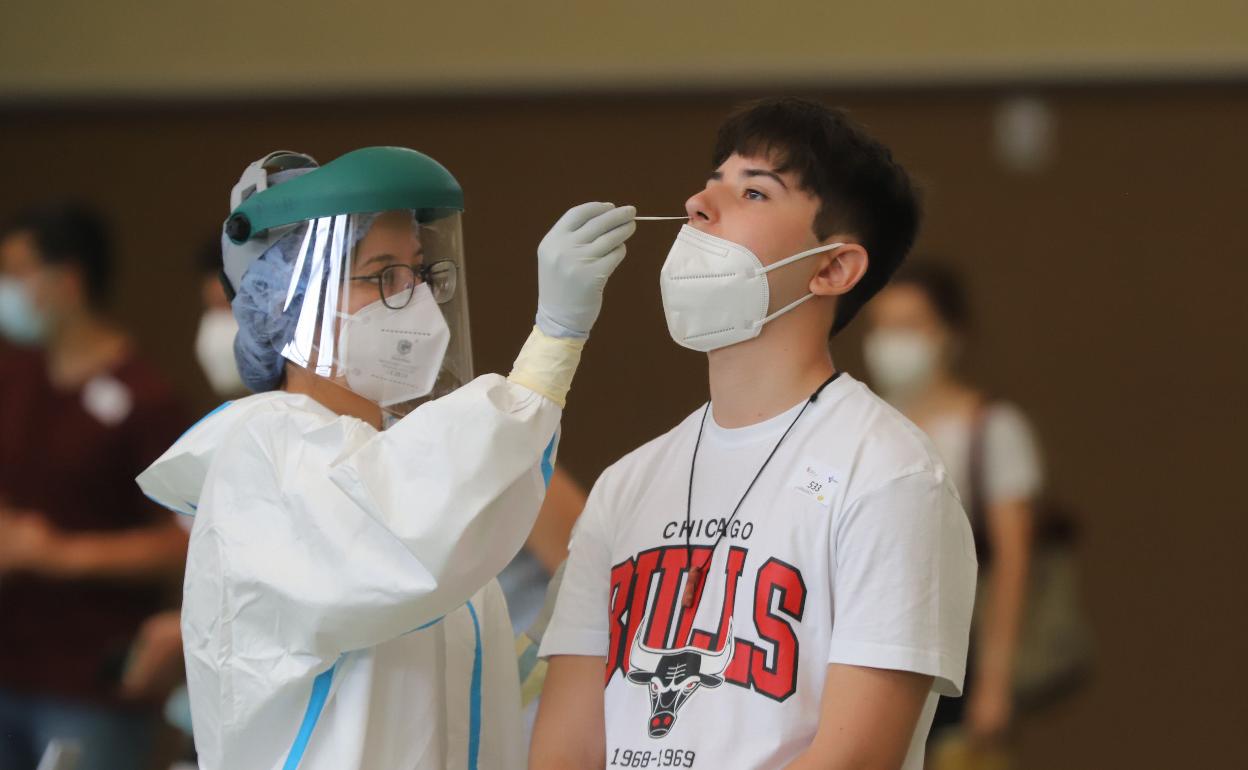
397, 283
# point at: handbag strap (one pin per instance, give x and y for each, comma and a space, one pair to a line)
977, 461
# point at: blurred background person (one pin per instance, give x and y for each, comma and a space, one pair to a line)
526, 583
214, 338
525, 579
918, 331
83, 556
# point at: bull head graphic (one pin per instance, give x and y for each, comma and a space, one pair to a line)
674, 675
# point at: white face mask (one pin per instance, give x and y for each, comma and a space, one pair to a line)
392, 356
715, 292
901, 363
214, 348
19, 321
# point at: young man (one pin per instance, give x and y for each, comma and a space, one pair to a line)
786, 577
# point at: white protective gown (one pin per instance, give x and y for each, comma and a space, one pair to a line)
339, 609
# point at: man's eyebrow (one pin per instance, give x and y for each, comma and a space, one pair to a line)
715, 176
754, 172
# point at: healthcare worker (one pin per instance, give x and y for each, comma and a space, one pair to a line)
339, 609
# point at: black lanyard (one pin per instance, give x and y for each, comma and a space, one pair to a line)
696, 574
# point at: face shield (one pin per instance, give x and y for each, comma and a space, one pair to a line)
382, 310
373, 301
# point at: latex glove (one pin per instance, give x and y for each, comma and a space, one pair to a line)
574, 261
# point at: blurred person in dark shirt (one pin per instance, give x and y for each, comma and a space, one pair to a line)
83, 555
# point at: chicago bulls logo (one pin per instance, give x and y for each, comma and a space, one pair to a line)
674, 675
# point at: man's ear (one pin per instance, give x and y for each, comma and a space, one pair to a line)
839, 270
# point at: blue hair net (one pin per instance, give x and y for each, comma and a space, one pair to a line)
264, 327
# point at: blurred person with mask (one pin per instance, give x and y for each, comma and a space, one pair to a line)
340, 608
214, 337
83, 555
917, 334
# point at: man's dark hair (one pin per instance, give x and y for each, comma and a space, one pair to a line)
861, 189
942, 286
71, 234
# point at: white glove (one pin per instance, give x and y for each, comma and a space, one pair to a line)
574, 261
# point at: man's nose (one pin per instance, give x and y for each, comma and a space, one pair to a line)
700, 209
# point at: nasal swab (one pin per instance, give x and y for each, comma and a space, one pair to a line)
659, 219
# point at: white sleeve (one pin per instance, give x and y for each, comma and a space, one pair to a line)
579, 625
430, 511
904, 584
1012, 465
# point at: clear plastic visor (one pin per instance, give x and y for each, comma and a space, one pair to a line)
378, 305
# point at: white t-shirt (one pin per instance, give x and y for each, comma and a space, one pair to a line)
1012, 467
851, 548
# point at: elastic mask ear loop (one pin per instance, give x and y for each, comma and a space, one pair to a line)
784, 310
787, 261
799, 255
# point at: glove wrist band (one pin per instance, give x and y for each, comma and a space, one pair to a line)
546, 365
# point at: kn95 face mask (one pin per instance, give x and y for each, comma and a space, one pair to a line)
392, 356
715, 292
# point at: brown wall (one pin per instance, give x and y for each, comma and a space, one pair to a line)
1108, 293
59, 49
